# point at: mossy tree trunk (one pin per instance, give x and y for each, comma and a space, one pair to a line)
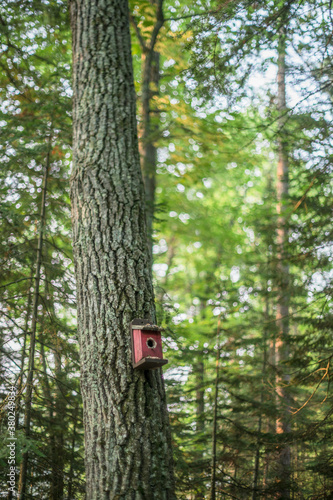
128, 450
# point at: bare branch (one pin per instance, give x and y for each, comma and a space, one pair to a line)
138, 33
158, 25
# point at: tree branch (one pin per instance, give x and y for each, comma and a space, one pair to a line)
138, 33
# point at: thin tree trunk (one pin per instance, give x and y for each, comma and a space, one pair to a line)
214, 436
271, 425
21, 373
149, 122
149, 130
71, 469
282, 312
255, 494
58, 406
28, 396
200, 408
20, 378
199, 374
127, 438
59, 413
49, 399
200, 395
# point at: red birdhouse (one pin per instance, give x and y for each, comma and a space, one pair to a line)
146, 344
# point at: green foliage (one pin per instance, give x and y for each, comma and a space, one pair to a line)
35, 119
215, 251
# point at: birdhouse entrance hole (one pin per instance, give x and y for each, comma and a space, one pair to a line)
147, 350
151, 343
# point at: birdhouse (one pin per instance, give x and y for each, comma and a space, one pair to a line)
146, 344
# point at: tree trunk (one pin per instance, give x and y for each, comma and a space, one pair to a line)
199, 376
48, 398
21, 375
214, 436
28, 396
149, 123
127, 438
149, 129
57, 404
255, 493
72, 463
200, 394
200, 409
282, 311
60, 411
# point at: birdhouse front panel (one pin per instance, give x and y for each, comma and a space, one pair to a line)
146, 345
151, 344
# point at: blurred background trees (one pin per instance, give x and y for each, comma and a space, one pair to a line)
212, 129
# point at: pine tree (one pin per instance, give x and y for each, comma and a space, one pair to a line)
36, 247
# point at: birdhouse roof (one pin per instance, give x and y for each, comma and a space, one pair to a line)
144, 324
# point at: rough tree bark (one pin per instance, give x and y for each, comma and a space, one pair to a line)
282, 310
127, 439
